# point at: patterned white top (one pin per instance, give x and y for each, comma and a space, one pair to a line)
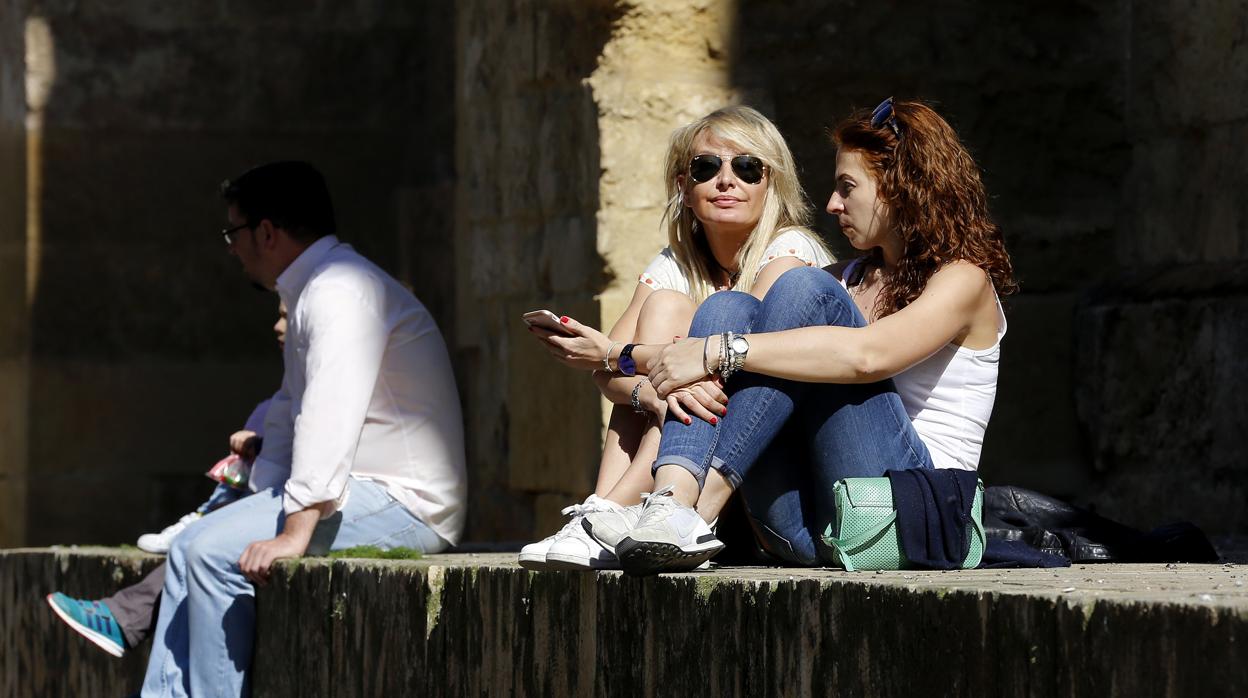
665, 273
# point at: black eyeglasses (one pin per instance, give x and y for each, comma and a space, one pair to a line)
228, 233
883, 114
747, 168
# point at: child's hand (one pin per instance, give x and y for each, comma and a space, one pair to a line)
245, 444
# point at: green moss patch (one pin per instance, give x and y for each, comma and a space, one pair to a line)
373, 552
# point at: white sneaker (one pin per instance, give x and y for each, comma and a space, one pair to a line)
608, 528
669, 537
533, 555
159, 542
579, 551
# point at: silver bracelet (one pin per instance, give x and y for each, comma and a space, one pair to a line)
732, 360
606, 358
705, 345
723, 353
636, 398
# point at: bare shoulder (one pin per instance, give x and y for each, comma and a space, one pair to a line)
962, 275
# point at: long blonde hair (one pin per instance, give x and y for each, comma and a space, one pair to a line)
785, 207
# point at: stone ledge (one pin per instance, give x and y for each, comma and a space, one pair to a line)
476, 624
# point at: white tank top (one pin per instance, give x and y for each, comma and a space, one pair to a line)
949, 397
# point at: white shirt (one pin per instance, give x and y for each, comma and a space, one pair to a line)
949, 396
367, 393
664, 271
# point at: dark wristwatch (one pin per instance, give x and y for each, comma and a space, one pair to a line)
625, 363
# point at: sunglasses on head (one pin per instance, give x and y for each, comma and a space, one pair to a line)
747, 168
883, 115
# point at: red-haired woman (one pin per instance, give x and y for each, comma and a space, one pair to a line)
887, 363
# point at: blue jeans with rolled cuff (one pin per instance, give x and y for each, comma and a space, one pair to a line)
784, 443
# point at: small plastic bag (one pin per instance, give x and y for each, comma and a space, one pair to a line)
231, 470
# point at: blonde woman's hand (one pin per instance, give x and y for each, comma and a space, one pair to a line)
584, 349
677, 365
704, 399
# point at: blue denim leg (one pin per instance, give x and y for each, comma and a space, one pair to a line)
203, 640
845, 430
222, 495
691, 446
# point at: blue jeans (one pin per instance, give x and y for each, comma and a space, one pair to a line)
783, 443
203, 639
222, 495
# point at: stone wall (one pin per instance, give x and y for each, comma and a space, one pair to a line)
460, 625
1163, 395
13, 317
148, 346
504, 156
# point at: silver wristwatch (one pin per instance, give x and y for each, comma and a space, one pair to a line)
738, 347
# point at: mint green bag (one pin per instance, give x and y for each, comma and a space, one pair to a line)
864, 535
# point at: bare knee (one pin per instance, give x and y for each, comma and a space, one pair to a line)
664, 315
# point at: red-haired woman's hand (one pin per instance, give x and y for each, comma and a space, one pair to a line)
677, 365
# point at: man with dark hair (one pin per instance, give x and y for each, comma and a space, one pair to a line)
363, 443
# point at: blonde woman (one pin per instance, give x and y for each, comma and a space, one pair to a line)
736, 219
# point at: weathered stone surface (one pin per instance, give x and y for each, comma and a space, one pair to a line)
479, 625
119, 419
1164, 403
43, 657
527, 162
14, 319
1035, 439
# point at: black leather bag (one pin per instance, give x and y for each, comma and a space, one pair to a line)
1052, 526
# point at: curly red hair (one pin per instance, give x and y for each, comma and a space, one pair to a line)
935, 197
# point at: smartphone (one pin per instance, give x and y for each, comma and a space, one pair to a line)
547, 321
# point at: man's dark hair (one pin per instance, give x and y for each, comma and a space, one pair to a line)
292, 195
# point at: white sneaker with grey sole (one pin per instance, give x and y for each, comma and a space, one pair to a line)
579, 551
610, 527
533, 555
668, 537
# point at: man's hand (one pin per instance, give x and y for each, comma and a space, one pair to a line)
257, 560
244, 444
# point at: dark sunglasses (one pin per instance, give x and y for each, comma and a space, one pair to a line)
747, 168
883, 114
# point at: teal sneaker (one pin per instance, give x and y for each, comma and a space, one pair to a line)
90, 619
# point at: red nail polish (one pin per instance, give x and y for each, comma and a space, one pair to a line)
688, 421
714, 421
564, 319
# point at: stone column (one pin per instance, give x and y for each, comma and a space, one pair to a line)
564, 109
14, 318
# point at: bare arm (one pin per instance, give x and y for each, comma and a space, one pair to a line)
942, 314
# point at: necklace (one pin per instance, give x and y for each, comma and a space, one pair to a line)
732, 275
